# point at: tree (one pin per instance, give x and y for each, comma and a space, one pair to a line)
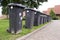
4, 5
52, 14
28, 3
33, 3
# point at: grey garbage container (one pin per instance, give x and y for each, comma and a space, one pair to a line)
29, 18
45, 18
48, 18
41, 18
37, 18
15, 17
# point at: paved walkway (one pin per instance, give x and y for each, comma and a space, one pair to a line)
50, 32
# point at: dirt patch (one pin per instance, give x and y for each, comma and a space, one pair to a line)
3, 17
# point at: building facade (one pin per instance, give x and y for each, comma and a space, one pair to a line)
56, 9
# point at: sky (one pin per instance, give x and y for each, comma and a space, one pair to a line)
49, 4
0, 11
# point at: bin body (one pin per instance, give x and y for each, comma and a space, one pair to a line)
41, 19
48, 18
15, 18
29, 18
45, 19
37, 19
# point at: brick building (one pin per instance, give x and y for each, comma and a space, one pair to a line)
56, 9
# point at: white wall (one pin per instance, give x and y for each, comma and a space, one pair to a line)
0, 10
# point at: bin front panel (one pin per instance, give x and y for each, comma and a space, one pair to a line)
29, 18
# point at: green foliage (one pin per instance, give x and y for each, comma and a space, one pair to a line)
4, 3
52, 14
28, 3
34, 3
17, 1
4, 11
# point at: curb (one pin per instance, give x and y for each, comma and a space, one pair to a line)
26, 36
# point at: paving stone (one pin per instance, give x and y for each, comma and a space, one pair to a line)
50, 32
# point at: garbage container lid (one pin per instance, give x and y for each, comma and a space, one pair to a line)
16, 4
30, 9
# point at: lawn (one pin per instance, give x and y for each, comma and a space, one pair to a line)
4, 35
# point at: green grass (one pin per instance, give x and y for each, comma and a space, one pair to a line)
4, 35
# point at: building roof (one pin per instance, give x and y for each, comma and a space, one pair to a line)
56, 9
